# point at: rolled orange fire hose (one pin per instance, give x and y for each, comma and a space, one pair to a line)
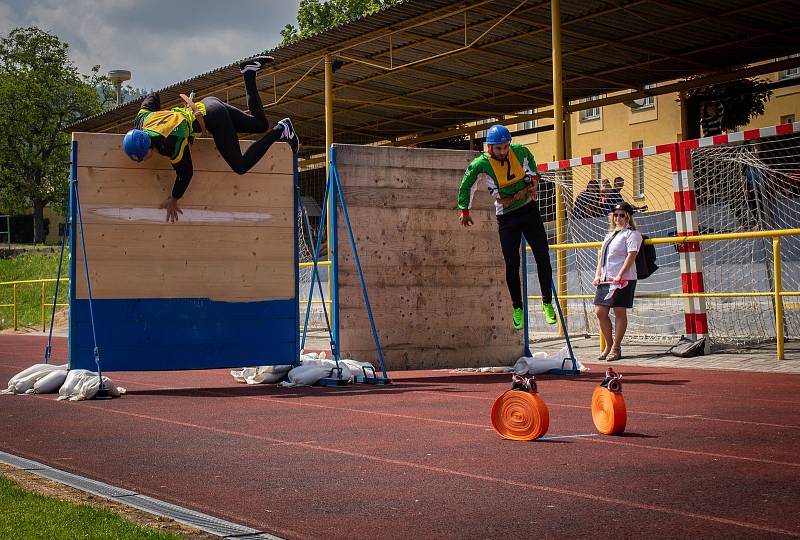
520, 416
608, 411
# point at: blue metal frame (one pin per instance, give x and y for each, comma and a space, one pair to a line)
176, 324
73, 176
562, 370
526, 348
296, 260
333, 246
357, 261
526, 351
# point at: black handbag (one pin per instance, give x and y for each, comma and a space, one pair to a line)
688, 348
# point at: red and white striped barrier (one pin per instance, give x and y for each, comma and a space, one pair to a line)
686, 218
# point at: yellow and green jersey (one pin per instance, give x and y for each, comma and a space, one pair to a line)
171, 132
502, 178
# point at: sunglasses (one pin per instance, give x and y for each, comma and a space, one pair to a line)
617, 214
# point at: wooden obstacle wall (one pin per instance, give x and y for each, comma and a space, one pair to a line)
216, 289
437, 289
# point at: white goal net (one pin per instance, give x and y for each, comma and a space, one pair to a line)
741, 186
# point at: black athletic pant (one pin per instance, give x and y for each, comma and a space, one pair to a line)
512, 226
225, 121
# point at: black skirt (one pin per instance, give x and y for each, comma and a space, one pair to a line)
621, 298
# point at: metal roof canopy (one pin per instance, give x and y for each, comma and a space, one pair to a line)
422, 67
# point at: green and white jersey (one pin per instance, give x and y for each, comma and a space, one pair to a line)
503, 179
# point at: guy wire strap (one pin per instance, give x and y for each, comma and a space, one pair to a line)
526, 334
74, 183
49, 349
315, 277
564, 328
335, 179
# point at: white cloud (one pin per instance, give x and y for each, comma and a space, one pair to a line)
161, 43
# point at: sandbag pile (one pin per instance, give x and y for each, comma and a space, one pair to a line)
37, 379
312, 368
83, 384
74, 385
542, 362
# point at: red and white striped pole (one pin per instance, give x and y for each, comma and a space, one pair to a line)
688, 224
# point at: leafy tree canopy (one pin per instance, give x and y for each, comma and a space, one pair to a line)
41, 93
315, 16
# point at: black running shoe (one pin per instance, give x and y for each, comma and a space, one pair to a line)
289, 134
255, 63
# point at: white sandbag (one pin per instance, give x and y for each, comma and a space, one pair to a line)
261, 374
310, 373
83, 384
542, 362
23, 381
36, 368
74, 378
306, 375
319, 362
358, 367
312, 356
91, 386
51, 382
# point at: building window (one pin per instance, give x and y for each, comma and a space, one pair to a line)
482, 134
788, 119
587, 115
647, 102
530, 124
638, 172
597, 168
791, 72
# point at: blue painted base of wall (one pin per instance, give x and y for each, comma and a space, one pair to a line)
172, 334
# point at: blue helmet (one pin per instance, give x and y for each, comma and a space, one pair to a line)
136, 144
498, 134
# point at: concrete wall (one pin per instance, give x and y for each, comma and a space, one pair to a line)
437, 289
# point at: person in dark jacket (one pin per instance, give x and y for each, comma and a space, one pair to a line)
171, 132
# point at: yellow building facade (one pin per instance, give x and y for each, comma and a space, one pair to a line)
655, 121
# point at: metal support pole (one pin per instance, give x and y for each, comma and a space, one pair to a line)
776, 261
15, 307
43, 326
331, 193
558, 124
602, 338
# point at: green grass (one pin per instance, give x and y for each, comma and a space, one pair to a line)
26, 515
26, 266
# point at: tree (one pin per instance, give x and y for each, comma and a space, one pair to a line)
742, 100
314, 16
41, 93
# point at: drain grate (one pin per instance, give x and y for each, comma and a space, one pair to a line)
198, 520
21, 463
84, 484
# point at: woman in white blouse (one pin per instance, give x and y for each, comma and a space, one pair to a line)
615, 277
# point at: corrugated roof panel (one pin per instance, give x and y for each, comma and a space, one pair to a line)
607, 45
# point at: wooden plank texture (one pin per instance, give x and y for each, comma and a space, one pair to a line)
437, 290
216, 289
105, 150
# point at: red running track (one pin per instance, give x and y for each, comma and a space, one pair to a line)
705, 454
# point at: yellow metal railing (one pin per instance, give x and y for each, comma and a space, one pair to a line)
14, 304
778, 293
326, 302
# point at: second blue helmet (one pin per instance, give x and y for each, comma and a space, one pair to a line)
136, 144
498, 134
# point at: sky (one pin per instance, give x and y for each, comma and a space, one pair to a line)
160, 42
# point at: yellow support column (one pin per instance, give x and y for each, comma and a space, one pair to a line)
328, 143
43, 326
776, 261
558, 124
15, 307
